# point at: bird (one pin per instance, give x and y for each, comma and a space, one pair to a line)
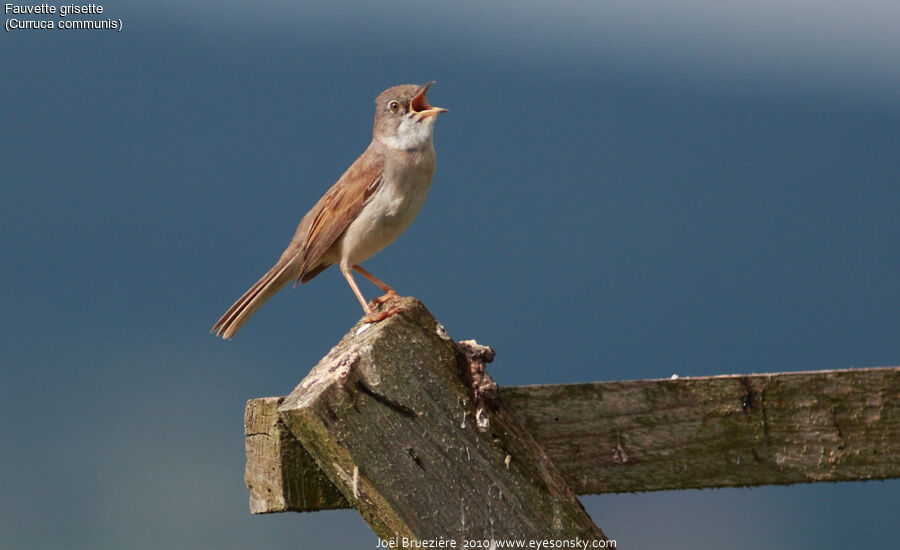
371, 204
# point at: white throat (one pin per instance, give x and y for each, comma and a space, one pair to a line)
412, 134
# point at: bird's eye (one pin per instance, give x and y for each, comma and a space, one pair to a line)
394, 106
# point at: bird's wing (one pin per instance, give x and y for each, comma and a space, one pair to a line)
340, 206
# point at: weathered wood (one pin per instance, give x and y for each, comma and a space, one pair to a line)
720, 431
280, 474
390, 422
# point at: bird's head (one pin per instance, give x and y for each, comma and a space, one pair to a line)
403, 118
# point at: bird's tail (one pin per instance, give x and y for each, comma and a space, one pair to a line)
270, 283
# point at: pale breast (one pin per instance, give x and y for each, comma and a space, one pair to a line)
391, 209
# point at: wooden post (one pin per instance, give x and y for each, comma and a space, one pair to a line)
652, 435
418, 452
405, 425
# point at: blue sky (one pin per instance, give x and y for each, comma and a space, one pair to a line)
622, 191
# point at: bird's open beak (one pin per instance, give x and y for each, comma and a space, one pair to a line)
420, 106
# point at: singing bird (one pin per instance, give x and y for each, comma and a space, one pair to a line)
370, 205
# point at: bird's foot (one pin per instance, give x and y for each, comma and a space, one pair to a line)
389, 295
376, 316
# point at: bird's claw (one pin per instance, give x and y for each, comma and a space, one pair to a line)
376, 316
389, 295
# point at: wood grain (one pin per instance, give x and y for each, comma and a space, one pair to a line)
389, 420
720, 431
651, 435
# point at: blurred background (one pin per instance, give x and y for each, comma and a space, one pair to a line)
624, 190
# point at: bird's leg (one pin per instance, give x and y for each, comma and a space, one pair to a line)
348, 274
388, 291
371, 316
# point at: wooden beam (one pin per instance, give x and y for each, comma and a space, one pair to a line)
280, 473
719, 431
416, 451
